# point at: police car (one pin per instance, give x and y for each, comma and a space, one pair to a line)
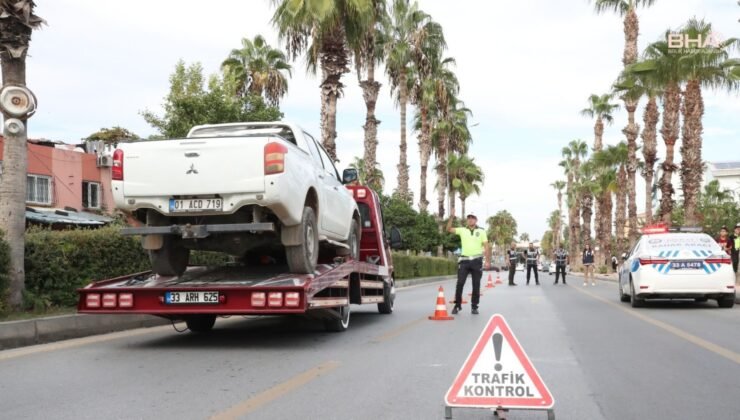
683, 264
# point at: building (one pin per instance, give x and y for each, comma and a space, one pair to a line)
66, 184
726, 173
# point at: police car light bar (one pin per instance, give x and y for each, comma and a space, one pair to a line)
691, 229
657, 228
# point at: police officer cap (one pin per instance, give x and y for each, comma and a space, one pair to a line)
471, 216
737, 225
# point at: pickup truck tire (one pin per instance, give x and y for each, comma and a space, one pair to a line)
302, 258
172, 259
200, 323
354, 241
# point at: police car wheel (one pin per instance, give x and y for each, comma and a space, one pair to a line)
622, 296
726, 302
636, 302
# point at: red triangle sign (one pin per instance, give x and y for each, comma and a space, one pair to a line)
498, 373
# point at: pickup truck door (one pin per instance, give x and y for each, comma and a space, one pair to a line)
337, 199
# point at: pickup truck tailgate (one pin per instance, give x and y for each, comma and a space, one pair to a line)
196, 166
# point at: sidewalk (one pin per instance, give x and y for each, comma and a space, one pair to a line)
56, 328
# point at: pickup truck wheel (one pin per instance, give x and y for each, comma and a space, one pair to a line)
389, 296
200, 323
354, 241
302, 258
171, 259
339, 324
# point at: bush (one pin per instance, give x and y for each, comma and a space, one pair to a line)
4, 269
602, 269
409, 266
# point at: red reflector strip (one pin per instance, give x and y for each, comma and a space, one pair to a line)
644, 287
109, 300
126, 300
258, 299
717, 261
92, 300
292, 299
730, 287
275, 299
646, 261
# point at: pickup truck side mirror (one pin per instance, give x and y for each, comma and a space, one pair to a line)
395, 238
349, 176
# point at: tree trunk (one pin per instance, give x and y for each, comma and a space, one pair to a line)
13, 186
334, 61
560, 219
370, 89
586, 213
403, 167
598, 134
631, 31
441, 176
650, 153
621, 209
631, 131
599, 225
425, 152
606, 228
669, 132
691, 164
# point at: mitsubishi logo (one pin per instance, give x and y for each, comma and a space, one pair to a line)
192, 170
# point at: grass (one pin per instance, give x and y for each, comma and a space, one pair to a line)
24, 315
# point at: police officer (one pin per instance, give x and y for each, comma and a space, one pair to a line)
561, 261
532, 256
473, 242
512, 258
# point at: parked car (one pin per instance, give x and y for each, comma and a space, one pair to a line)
551, 269
246, 189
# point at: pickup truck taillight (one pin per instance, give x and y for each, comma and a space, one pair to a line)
117, 168
275, 158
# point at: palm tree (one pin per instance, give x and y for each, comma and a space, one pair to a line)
408, 27
17, 22
604, 185
620, 158
573, 154
701, 68
449, 135
369, 52
662, 65
324, 30
600, 108
585, 192
465, 177
558, 186
258, 69
374, 179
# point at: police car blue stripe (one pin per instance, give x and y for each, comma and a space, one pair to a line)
704, 266
696, 253
675, 254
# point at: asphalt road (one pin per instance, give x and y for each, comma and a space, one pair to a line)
600, 358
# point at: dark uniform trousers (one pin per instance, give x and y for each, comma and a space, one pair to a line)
532, 267
512, 271
559, 268
475, 269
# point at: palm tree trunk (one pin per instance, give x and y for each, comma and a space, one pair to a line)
598, 134
462, 205
403, 167
606, 229
334, 61
649, 153
621, 209
631, 31
370, 89
691, 164
669, 132
425, 152
599, 225
13, 186
586, 213
560, 218
441, 176
631, 131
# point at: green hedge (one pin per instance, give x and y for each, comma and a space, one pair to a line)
4, 269
410, 266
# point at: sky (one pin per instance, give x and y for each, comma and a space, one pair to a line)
526, 69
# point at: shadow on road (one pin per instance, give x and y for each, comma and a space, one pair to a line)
682, 304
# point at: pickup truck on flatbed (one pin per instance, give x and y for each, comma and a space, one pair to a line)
264, 286
246, 189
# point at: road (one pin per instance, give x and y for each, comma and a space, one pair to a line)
600, 358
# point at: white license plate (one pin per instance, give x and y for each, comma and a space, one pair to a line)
176, 298
686, 265
196, 204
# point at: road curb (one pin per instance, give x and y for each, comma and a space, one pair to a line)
46, 330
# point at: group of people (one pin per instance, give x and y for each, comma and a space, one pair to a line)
730, 243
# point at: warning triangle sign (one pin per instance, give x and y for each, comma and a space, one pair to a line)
498, 373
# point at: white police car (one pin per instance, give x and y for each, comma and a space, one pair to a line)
676, 265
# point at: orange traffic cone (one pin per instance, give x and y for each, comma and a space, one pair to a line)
490, 284
498, 279
464, 302
440, 312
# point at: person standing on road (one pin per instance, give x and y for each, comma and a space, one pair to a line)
588, 265
512, 258
735, 248
724, 240
474, 241
561, 261
533, 256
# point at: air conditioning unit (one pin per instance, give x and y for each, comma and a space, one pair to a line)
105, 161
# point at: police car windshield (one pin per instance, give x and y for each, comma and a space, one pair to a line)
675, 241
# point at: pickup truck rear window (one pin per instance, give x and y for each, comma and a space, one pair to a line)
245, 131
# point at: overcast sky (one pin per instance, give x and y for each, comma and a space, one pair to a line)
526, 69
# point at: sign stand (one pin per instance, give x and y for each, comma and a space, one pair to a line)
499, 376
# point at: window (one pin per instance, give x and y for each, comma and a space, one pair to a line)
90, 195
328, 164
38, 189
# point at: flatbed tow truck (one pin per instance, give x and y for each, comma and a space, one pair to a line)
202, 294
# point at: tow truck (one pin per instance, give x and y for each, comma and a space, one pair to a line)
201, 294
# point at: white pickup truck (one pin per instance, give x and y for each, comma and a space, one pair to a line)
252, 190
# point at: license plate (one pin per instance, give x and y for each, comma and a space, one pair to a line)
176, 298
196, 204
686, 265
